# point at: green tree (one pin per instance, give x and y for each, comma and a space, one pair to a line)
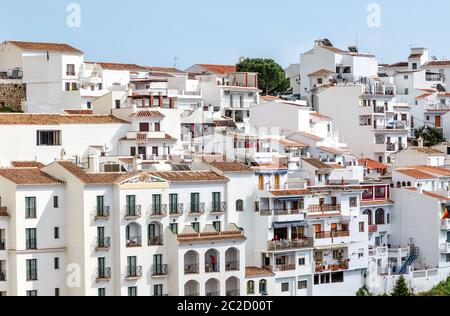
400, 288
271, 76
363, 292
431, 135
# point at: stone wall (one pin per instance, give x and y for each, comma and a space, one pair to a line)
12, 94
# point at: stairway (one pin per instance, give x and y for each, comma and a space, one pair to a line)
409, 261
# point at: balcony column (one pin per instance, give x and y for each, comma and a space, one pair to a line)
289, 233
143, 102
152, 100
160, 100
172, 103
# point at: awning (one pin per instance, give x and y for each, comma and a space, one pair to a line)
290, 224
293, 198
332, 247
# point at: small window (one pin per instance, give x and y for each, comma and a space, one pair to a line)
239, 206
302, 261
316, 279
48, 138
263, 287
57, 292
414, 66
302, 285
56, 201
353, 202
319, 81
56, 232
56, 263
196, 227
250, 287
132, 291
337, 277
362, 227
70, 70
102, 291
117, 103
217, 226
325, 279
174, 228
89, 105
285, 287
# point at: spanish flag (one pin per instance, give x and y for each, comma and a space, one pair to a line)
445, 214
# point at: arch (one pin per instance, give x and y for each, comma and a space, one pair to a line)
155, 234
239, 205
232, 287
191, 262
409, 184
399, 184
369, 215
133, 235
192, 288
403, 184
212, 287
232, 259
263, 287
379, 217
250, 287
212, 261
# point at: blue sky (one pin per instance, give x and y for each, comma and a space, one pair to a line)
153, 32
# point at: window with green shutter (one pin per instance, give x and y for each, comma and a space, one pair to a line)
30, 207
30, 239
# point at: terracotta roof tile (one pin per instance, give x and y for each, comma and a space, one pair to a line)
118, 66
210, 237
231, 167
434, 170
428, 150
27, 164
416, 174
316, 163
57, 119
321, 73
439, 63
310, 136
320, 116
29, 177
372, 164
79, 112
377, 202
219, 69
190, 176
163, 69
51, 47
254, 272
292, 192
148, 114
436, 196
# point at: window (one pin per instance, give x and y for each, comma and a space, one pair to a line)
67, 86
325, 279
361, 227
157, 207
319, 80
31, 266
302, 285
131, 205
144, 127
173, 203
337, 277
217, 226
250, 287
74, 86
447, 257
158, 290
56, 202
30, 239
316, 279
56, 232
263, 287
70, 69
196, 227
406, 91
102, 291
101, 212
239, 206
89, 105
30, 207
379, 217
285, 287
414, 66
117, 103
353, 202
132, 291
216, 202
406, 77
302, 261
174, 228
32, 293
195, 202
48, 138
347, 70
57, 292
111, 167
56, 263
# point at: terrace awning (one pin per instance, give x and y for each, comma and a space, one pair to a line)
290, 224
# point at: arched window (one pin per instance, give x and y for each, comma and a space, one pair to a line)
379, 217
263, 287
250, 287
409, 184
399, 185
403, 184
369, 215
239, 206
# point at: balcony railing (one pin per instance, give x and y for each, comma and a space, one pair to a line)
232, 265
324, 208
158, 210
445, 248
198, 208
160, 269
233, 293
332, 234
134, 272
210, 268
133, 212
377, 109
390, 147
134, 242
2, 244
290, 244
2, 275
445, 225
103, 274
103, 243
218, 207
281, 212
339, 266
434, 77
281, 268
176, 209
192, 294
213, 294
102, 212
155, 240
191, 269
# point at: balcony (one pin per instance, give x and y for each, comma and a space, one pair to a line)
391, 147
2, 275
196, 209
191, 268
218, 208
133, 273
134, 242
155, 240
281, 212
158, 211
340, 265
332, 234
434, 77
212, 294
445, 224
324, 208
290, 244
154, 157
176, 210
160, 270
103, 274
378, 110
103, 244
133, 212
445, 248
281, 268
232, 266
102, 213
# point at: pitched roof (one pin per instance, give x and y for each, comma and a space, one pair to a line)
232, 167
291, 192
269, 98
57, 119
320, 116
321, 73
423, 96
436, 196
377, 202
29, 177
79, 112
164, 69
372, 164
118, 66
51, 47
331, 150
439, 63
27, 164
398, 65
147, 114
416, 174
434, 170
316, 163
310, 136
219, 69
428, 150
190, 176
252, 272
288, 143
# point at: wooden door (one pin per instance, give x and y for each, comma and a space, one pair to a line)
437, 121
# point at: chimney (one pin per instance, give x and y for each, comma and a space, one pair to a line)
137, 163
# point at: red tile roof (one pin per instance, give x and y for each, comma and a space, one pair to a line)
27, 164
118, 66
51, 47
232, 167
439, 63
210, 237
416, 174
291, 192
219, 69
57, 119
148, 114
310, 136
79, 112
372, 164
320, 116
163, 69
436, 196
321, 73
29, 177
255, 272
